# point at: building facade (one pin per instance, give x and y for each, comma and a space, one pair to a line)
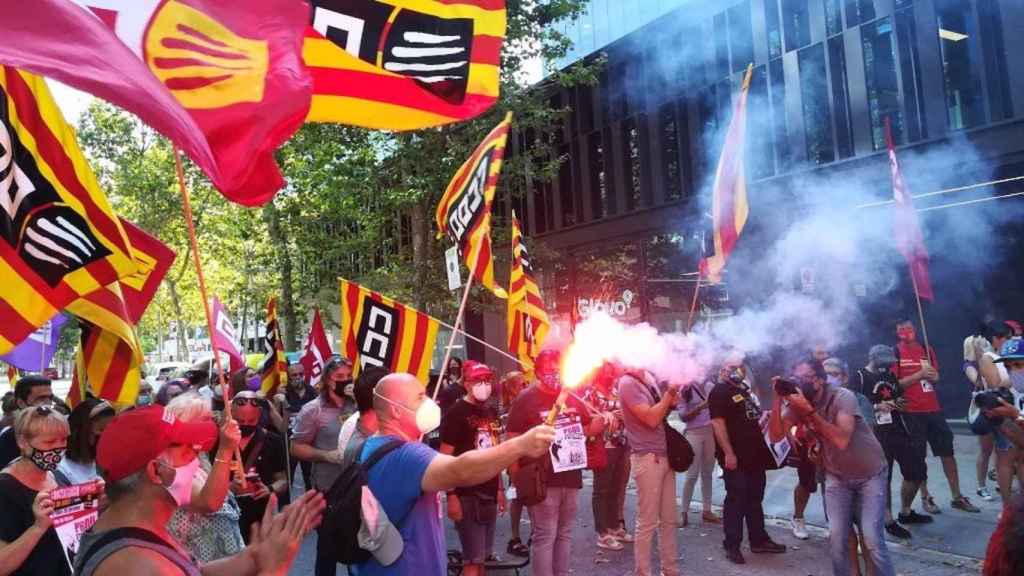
626, 216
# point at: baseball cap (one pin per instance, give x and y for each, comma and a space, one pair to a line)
1013, 349
473, 371
134, 438
882, 354
377, 535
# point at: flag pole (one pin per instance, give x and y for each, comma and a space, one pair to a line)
186, 205
920, 316
455, 329
693, 305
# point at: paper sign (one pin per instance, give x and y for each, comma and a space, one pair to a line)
569, 450
451, 261
75, 509
780, 450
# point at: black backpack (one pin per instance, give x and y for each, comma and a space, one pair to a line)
342, 518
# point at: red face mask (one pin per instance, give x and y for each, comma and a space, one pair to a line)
906, 334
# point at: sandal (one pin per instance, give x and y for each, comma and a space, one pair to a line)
517, 548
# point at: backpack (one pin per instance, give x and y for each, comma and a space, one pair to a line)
342, 518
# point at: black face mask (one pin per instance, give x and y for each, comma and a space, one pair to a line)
247, 429
339, 387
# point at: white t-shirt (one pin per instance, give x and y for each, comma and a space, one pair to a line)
348, 427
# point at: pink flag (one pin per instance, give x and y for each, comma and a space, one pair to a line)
223, 337
318, 351
907, 230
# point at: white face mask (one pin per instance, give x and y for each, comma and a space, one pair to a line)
428, 415
482, 392
181, 487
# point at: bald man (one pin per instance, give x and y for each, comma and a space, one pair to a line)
408, 481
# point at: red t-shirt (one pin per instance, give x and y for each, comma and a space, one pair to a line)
921, 395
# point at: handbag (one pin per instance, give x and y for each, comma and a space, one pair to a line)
677, 447
597, 453
531, 481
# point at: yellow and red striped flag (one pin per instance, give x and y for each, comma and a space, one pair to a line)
378, 331
403, 64
528, 323
464, 212
274, 370
59, 237
109, 357
729, 206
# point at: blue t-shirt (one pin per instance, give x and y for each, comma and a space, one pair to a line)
396, 481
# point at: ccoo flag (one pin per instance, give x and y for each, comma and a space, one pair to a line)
403, 64
59, 237
528, 322
464, 213
274, 370
378, 331
223, 80
317, 351
729, 205
224, 338
907, 232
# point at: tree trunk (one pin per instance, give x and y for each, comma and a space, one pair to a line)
288, 316
172, 289
420, 240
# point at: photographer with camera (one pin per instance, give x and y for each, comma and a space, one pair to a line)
744, 456
852, 458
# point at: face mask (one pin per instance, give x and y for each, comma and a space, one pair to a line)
47, 460
906, 334
736, 376
550, 380
181, 487
834, 381
253, 383
1017, 380
428, 415
144, 400
482, 392
247, 429
343, 388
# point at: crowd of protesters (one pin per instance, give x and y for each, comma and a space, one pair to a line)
200, 492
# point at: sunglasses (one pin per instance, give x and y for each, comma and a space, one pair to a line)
257, 402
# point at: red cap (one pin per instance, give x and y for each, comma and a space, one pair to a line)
473, 371
138, 436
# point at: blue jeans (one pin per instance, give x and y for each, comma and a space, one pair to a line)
863, 502
553, 521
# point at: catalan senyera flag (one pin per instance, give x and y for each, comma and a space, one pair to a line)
528, 323
109, 359
907, 229
729, 204
403, 64
153, 259
464, 212
224, 81
59, 237
274, 369
378, 331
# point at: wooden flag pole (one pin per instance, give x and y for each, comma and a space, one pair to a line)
693, 305
186, 204
455, 329
920, 316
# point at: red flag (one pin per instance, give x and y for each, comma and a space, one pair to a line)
224, 81
907, 231
318, 351
223, 337
729, 205
154, 259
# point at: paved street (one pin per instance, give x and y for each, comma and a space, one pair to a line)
951, 546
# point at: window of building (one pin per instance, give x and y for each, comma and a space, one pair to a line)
796, 23
990, 23
833, 18
548, 199
602, 28
780, 133
859, 11
669, 134
598, 176
963, 84
721, 40
774, 32
566, 188
760, 163
619, 90
610, 280
882, 81
814, 96
741, 41
668, 257
577, 180
634, 91
910, 70
633, 164
585, 103
840, 97
660, 75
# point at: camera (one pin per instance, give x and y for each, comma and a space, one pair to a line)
989, 399
785, 387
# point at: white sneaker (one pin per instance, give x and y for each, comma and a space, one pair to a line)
799, 528
985, 495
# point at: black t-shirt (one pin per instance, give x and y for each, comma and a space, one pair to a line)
531, 408
296, 402
8, 447
449, 395
742, 416
267, 462
16, 517
880, 387
470, 427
